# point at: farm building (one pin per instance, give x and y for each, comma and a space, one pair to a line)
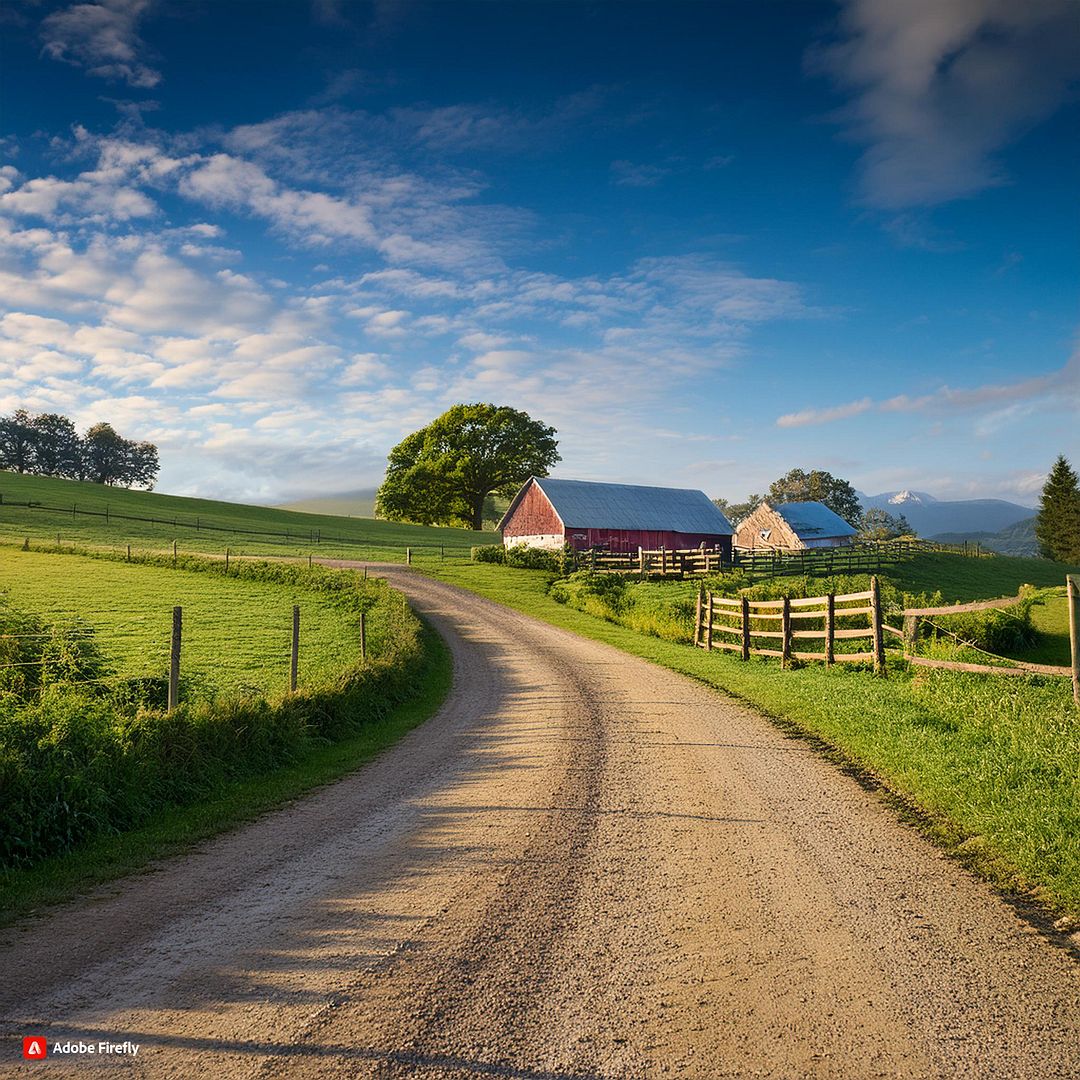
614, 517
793, 527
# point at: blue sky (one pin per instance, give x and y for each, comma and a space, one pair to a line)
708, 242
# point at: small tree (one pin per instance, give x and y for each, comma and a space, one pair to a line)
442, 473
736, 512
1057, 525
879, 524
818, 486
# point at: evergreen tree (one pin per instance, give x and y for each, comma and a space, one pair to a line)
1057, 525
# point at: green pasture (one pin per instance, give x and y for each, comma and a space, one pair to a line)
206, 526
236, 633
989, 766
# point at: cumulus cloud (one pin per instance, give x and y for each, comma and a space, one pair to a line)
940, 87
102, 38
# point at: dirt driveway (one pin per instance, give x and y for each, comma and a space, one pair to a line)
584, 866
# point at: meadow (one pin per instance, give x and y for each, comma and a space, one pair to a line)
236, 632
75, 511
97, 776
987, 766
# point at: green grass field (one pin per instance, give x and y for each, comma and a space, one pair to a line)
236, 633
206, 526
988, 766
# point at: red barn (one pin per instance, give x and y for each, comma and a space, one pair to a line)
615, 517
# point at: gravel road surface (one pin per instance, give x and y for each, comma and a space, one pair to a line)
584, 866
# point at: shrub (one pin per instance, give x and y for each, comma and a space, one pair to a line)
76, 760
489, 553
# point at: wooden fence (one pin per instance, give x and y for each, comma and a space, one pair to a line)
914, 616
738, 622
868, 557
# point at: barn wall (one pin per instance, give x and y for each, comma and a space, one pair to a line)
781, 538
534, 522
651, 540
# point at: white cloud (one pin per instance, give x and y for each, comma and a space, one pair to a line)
825, 416
942, 85
102, 38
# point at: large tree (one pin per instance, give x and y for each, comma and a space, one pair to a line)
818, 486
17, 440
57, 446
442, 474
1057, 525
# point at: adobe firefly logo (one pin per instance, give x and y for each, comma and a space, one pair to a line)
34, 1047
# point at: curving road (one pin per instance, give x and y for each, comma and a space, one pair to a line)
583, 866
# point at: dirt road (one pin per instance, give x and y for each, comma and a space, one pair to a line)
584, 866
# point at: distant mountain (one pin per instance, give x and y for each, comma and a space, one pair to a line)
1018, 539
931, 517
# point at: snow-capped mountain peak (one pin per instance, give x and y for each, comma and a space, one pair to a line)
905, 497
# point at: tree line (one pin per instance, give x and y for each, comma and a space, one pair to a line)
48, 444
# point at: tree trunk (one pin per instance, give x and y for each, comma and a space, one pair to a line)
478, 514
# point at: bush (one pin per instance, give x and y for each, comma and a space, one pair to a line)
76, 760
999, 630
524, 557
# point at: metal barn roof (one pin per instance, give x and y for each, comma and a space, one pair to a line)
812, 520
586, 505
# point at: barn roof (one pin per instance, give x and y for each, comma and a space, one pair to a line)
587, 505
813, 520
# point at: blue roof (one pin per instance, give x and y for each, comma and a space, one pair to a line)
810, 520
582, 504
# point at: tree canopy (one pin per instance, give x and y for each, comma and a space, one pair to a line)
1057, 524
441, 474
49, 445
818, 486
738, 511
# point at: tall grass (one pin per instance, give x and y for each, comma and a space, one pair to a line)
79, 758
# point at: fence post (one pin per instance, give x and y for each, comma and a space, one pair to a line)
174, 552
785, 626
174, 657
830, 629
875, 615
295, 647
708, 621
911, 632
1073, 589
129, 553
697, 619
309, 560
363, 636
745, 628
408, 556
641, 561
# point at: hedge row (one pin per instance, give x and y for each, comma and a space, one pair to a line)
76, 761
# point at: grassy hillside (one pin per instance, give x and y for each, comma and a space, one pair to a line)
236, 634
204, 525
345, 504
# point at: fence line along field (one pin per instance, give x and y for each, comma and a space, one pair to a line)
92, 515
237, 632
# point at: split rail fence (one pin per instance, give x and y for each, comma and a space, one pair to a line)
787, 622
663, 562
737, 624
